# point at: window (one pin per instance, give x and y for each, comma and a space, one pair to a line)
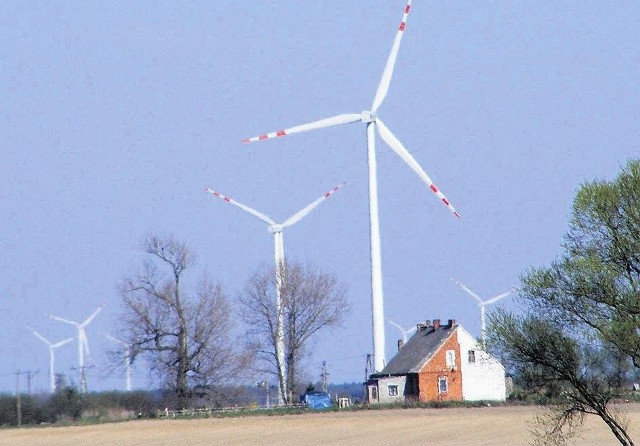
374, 393
451, 359
443, 385
472, 356
393, 390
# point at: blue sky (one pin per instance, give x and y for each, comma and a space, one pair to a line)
116, 115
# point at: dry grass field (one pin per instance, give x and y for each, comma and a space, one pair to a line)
406, 427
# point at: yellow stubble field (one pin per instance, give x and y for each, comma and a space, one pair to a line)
406, 427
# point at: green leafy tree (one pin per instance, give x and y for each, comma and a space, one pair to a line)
580, 331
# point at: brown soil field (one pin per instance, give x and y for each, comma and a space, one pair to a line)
406, 427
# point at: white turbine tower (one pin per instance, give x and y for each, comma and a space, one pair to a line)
276, 230
402, 330
52, 348
127, 359
373, 122
83, 345
482, 304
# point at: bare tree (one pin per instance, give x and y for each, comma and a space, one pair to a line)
184, 336
312, 301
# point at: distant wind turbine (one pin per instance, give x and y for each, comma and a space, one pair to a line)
402, 330
52, 348
276, 229
127, 359
482, 304
372, 121
83, 344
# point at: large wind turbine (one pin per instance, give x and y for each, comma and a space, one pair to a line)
373, 122
52, 348
276, 230
83, 344
402, 330
127, 359
482, 304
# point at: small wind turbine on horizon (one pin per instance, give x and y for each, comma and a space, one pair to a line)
52, 347
373, 122
276, 229
127, 359
83, 344
482, 304
402, 330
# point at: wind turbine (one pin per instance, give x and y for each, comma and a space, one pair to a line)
373, 122
52, 348
276, 230
482, 304
402, 330
127, 359
83, 344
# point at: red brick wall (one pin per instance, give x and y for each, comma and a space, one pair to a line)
435, 368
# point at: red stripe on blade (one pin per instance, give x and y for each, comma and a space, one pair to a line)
281, 133
434, 188
402, 26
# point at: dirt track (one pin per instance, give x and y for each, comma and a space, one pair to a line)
406, 427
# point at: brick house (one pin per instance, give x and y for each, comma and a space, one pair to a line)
439, 363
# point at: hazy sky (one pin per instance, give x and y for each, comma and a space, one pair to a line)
114, 117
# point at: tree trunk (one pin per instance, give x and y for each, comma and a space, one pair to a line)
619, 431
182, 385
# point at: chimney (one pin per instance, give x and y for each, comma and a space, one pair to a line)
452, 322
436, 324
400, 344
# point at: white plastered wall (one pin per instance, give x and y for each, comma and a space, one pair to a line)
484, 379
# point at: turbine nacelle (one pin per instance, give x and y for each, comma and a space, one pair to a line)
368, 116
275, 229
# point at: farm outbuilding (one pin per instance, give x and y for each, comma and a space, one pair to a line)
440, 362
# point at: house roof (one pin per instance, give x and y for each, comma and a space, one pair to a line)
418, 350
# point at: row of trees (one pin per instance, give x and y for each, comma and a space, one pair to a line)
185, 332
578, 334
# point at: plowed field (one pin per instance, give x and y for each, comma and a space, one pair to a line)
406, 427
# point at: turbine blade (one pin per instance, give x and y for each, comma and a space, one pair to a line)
474, 295
385, 81
85, 346
396, 325
66, 321
497, 298
301, 214
61, 343
114, 339
39, 336
397, 147
346, 118
245, 208
90, 318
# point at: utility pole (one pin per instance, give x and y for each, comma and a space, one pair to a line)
324, 376
368, 366
30, 374
18, 402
